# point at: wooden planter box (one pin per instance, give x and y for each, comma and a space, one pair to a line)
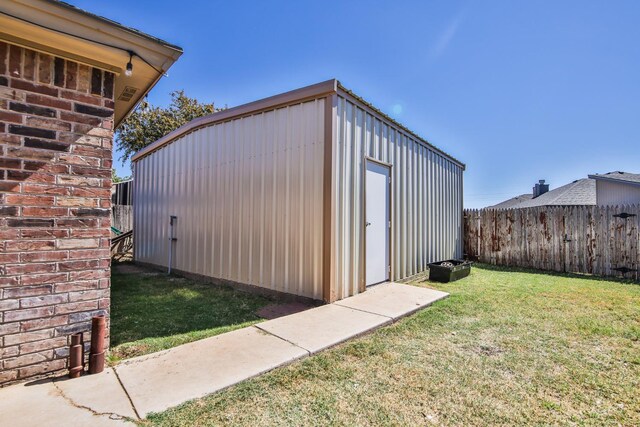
452, 270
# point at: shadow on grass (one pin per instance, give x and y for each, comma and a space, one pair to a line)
151, 311
491, 267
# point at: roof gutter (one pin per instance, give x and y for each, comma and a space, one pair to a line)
112, 23
619, 181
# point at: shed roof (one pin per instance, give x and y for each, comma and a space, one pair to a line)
618, 176
298, 95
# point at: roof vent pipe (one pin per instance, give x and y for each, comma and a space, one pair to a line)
540, 188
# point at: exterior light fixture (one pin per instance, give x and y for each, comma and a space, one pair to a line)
129, 70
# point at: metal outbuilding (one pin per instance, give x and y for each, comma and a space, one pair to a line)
313, 192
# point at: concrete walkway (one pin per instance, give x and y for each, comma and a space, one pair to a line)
158, 381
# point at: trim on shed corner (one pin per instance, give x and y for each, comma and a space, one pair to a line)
330, 114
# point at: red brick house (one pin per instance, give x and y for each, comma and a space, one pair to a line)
67, 78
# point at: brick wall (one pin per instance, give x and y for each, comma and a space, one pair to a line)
56, 128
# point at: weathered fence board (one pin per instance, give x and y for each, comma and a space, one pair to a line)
122, 217
579, 239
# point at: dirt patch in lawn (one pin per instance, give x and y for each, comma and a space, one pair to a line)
273, 311
123, 268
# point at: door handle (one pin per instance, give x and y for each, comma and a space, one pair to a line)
367, 224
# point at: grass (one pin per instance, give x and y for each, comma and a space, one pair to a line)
152, 312
507, 348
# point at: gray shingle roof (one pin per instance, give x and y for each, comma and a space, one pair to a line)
512, 202
626, 177
579, 192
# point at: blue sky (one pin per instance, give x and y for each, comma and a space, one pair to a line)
518, 90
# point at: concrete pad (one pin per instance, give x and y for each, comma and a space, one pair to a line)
162, 380
42, 404
393, 300
323, 327
101, 392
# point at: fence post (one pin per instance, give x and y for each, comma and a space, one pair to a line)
478, 234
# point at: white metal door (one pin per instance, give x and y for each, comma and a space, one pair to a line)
377, 223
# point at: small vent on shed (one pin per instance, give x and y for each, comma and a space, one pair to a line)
127, 93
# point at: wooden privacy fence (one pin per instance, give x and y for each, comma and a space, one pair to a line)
579, 239
122, 217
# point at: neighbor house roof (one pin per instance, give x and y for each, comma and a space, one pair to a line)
618, 176
579, 192
299, 95
512, 202
60, 29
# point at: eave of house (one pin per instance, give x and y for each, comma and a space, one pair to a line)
62, 30
617, 181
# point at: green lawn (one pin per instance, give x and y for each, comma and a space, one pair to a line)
507, 347
151, 311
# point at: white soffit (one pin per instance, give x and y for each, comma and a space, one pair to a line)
59, 29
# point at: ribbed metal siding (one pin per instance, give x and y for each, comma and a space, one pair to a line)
426, 201
616, 194
248, 197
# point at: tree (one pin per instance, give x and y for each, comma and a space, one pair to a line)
149, 123
115, 178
